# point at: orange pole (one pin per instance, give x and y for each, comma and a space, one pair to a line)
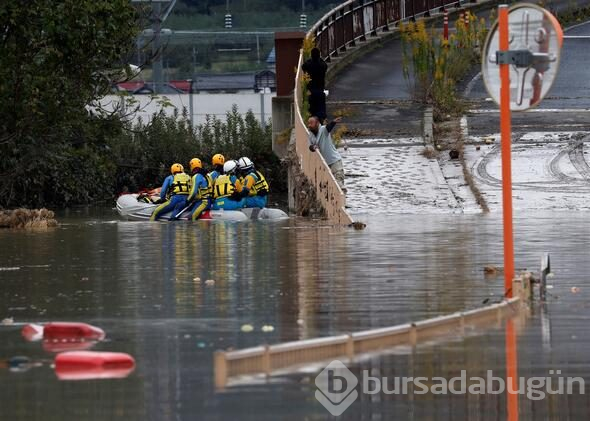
511, 372
506, 139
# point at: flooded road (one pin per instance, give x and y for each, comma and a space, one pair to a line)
172, 294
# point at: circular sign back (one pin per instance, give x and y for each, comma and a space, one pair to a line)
535, 42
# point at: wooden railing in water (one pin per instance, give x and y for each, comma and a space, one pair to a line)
291, 355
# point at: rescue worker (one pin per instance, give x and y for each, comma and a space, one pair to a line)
174, 192
218, 160
253, 186
225, 192
200, 194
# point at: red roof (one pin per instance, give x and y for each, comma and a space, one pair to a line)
130, 86
183, 85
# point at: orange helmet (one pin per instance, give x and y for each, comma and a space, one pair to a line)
195, 163
218, 159
176, 168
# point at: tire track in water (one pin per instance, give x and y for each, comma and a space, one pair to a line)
563, 182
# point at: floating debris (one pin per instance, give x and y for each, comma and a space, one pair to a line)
7, 321
492, 270
9, 268
300, 322
358, 225
575, 290
247, 328
267, 328
27, 219
209, 282
197, 279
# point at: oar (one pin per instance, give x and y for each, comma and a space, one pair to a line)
183, 210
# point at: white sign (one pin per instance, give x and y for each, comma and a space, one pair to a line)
535, 39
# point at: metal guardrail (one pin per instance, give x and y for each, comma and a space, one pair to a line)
355, 20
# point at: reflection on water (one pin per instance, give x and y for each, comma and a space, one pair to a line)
146, 285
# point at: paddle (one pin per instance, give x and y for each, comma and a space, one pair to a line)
182, 211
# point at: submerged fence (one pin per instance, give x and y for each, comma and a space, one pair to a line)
267, 359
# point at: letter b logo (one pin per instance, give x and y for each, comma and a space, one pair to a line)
336, 388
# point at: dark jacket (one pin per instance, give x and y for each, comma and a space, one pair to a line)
316, 69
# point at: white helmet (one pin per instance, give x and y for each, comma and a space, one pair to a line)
245, 164
230, 166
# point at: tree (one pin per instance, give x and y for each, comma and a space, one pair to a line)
56, 57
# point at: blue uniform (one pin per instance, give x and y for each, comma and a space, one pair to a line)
175, 188
225, 187
200, 194
250, 186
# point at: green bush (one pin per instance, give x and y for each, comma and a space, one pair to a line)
146, 151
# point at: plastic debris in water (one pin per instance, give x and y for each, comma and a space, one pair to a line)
300, 322
575, 290
197, 279
267, 328
201, 345
9, 268
86, 365
64, 336
247, 328
209, 282
7, 321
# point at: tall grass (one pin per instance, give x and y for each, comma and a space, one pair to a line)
433, 65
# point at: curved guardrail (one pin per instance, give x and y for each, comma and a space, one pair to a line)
341, 28
354, 20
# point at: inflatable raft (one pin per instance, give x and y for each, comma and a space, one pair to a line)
130, 208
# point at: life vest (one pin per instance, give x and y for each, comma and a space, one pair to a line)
181, 184
260, 186
206, 192
224, 187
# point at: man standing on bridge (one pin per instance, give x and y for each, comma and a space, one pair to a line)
319, 138
316, 68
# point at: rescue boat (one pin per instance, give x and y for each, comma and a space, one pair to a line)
131, 208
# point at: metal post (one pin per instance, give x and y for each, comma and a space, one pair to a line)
156, 48
190, 102
506, 139
257, 49
545, 270
262, 116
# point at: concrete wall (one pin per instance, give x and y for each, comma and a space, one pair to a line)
314, 166
203, 104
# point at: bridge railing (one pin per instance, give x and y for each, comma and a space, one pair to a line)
341, 28
355, 20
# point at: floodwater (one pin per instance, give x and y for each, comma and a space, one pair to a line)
145, 285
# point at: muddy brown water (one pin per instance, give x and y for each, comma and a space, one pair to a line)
144, 284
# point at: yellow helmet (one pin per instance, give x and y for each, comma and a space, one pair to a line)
218, 159
195, 163
175, 168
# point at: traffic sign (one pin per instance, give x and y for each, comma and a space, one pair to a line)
535, 40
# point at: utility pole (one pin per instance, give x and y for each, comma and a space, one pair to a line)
228, 19
303, 17
156, 48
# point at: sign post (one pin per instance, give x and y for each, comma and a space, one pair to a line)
505, 142
525, 44
519, 65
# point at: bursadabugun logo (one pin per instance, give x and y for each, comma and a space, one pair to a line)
336, 388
